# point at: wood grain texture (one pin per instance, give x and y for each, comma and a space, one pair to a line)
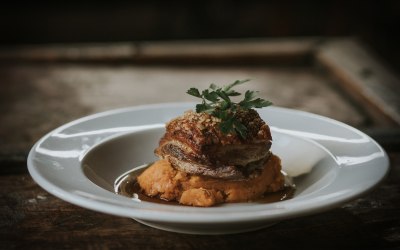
363, 77
207, 51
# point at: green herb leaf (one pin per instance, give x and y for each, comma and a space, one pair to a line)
256, 103
249, 95
240, 128
194, 92
226, 126
210, 96
224, 96
217, 102
204, 107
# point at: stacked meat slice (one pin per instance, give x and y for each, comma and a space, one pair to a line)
193, 143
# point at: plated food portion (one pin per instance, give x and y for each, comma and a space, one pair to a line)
80, 162
218, 153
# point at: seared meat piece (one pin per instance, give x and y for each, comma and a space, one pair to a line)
194, 143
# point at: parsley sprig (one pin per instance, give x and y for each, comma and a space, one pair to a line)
217, 102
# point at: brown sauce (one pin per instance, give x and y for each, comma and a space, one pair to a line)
285, 194
126, 185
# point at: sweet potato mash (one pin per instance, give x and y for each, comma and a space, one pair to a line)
163, 181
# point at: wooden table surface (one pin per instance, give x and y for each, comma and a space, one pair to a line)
43, 87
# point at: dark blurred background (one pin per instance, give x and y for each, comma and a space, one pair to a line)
376, 23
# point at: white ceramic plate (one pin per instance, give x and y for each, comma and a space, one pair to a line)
80, 161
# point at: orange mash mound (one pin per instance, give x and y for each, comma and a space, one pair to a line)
165, 182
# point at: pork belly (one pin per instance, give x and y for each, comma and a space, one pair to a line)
195, 144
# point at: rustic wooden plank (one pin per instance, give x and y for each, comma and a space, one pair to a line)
363, 77
69, 52
243, 50
209, 51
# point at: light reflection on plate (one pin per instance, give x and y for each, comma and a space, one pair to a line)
80, 161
